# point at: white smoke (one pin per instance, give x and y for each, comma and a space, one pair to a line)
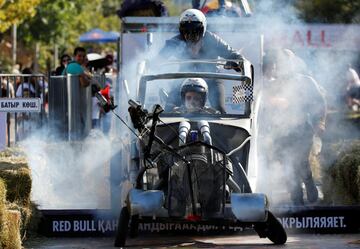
325, 64
69, 175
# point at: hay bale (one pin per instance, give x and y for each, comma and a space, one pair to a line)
15, 177
26, 216
12, 158
341, 183
18, 185
13, 221
3, 223
15, 172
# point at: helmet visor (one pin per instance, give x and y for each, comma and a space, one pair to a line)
191, 31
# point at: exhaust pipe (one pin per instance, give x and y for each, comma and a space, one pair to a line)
204, 128
184, 128
205, 131
249, 207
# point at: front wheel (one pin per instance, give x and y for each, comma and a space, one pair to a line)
123, 227
272, 229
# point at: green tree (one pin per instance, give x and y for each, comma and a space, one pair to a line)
61, 22
15, 12
339, 11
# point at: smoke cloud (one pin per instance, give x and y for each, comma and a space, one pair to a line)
317, 54
69, 175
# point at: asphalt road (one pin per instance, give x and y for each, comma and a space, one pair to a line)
306, 241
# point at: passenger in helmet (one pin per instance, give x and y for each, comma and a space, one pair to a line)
195, 42
194, 92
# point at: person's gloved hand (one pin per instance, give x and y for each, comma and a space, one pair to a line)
232, 65
95, 88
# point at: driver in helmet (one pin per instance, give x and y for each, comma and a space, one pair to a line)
194, 93
195, 42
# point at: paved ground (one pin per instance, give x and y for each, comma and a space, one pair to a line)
296, 241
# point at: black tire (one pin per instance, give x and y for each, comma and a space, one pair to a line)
123, 227
276, 233
134, 226
272, 229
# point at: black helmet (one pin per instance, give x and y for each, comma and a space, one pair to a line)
192, 25
197, 85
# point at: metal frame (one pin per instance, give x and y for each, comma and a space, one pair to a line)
145, 78
167, 24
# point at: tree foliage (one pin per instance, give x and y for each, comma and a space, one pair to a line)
15, 12
319, 11
324, 11
61, 22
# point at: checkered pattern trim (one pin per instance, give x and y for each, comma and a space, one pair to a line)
242, 93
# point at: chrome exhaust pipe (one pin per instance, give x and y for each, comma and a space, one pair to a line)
204, 128
184, 128
249, 207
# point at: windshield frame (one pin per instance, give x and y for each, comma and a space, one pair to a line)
145, 79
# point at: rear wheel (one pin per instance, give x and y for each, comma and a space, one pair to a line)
272, 229
276, 232
134, 226
123, 227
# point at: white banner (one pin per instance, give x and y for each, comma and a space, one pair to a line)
315, 36
20, 105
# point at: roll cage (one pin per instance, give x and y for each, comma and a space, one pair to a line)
245, 76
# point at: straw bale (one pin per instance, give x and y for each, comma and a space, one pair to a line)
2, 194
16, 178
26, 216
341, 183
12, 158
15, 172
3, 223
18, 185
13, 220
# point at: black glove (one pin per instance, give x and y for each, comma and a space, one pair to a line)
138, 115
232, 65
95, 88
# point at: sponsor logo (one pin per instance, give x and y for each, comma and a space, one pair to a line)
313, 222
105, 226
101, 226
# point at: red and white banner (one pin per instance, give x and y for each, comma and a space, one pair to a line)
315, 36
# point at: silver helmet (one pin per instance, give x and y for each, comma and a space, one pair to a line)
197, 85
192, 25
